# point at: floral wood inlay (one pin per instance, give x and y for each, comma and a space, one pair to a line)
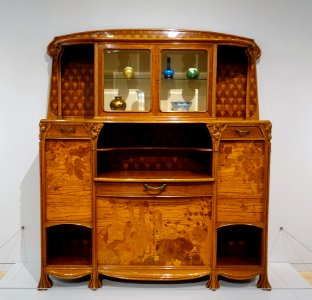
70, 158
163, 234
241, 168
68, 183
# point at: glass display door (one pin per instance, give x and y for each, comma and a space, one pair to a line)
184, 80
127, 80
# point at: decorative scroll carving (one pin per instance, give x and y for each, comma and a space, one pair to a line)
93, 129
43, 126
216, 133
55, 51
268, 130
254, 53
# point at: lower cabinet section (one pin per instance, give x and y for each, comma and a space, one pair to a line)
178, 207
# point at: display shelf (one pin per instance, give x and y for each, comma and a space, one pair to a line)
155, 176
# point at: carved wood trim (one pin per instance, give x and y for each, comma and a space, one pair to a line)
93, 129
43, 127
216, 133
149, 34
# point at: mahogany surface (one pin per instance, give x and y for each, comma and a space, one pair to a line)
150, 193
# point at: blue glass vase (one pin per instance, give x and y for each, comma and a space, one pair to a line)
168, 72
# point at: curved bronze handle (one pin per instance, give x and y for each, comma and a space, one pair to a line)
242, 132
68, 130
160, 188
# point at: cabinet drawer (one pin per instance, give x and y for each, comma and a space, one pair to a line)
154, 189
67, 131
242, 132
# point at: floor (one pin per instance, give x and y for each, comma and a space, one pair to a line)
20, 282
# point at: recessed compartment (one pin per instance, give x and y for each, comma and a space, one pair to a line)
154, 150
239, 245
69, 244
77, 80
231, 83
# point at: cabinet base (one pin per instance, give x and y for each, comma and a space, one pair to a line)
153, 273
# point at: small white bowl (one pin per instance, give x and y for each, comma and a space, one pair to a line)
181, 105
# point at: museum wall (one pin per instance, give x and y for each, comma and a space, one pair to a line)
282, 29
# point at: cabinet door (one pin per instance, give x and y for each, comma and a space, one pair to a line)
149, 231
184, 84
240, 189
68, 183
126, 78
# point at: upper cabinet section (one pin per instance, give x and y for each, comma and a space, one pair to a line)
165, 74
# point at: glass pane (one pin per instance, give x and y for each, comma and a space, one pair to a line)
127, 80
184, 80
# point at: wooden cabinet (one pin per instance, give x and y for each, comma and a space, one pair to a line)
154, 163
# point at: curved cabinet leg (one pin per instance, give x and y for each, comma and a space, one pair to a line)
45, 282
213, 282
263, 282
94, 282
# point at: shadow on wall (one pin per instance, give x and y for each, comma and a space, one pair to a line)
30, 219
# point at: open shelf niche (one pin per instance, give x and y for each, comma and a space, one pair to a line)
154, 150
239, 245
69, 244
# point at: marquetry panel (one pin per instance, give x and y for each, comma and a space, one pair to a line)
231, 91
68, 182
240, 210
54, 90
240, 187
253, 93
167, 232
78, 89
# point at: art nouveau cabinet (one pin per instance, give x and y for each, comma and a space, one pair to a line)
154, 163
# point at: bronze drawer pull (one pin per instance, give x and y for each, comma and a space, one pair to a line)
68, 130
160, 188
242, 132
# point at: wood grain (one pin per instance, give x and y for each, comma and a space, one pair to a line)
68, 181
